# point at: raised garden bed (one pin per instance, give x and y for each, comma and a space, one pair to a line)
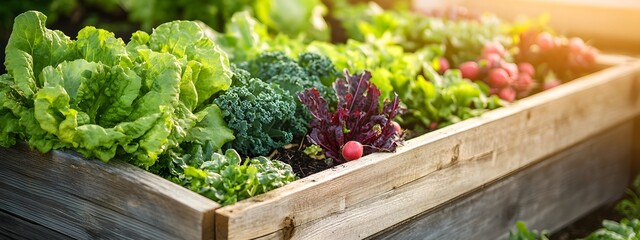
68, 196
61, 194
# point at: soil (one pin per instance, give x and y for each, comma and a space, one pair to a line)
301, 163
587, 224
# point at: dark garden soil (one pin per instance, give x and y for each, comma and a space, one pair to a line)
301, 163
587, 224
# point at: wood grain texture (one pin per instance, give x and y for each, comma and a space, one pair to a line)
486, 148
14, 227
635, 164
547, 195
89, 199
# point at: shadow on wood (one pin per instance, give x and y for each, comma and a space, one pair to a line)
548, 195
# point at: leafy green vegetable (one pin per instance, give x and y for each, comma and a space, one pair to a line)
31, 48
262, 109
103, 98
149, 102
261, 114
432, 100
445, 100
244, 39
9, 113
463, 40
310, 71
226, 178
630, 206
294, 17
624, 230
291, 17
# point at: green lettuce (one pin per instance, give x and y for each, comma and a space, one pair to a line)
105, 98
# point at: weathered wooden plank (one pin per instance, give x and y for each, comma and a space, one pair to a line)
13, 227
547, 195
495, 144
635, 164
90, 199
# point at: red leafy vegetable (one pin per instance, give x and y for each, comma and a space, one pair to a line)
358, 117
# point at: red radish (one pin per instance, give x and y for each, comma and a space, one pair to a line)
576, 45
433, 126
397, 127
352, 150
512, 69
470, 70
493, 60
498, 78
523, 83
577, 60
550, 84
545, 41
590, 54
493, 47
507, 94
444, 65
494, 91
526, 68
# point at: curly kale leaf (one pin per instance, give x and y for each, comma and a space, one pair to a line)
312, 70
262, 115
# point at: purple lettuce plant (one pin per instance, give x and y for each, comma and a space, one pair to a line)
358, 117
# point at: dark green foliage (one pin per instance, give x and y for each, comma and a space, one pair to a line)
260, 106
630, 207
312, 70
225, 179
629, 227
262, 115
624, 230
319, 66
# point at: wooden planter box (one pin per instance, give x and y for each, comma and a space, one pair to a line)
547, 195
60, 194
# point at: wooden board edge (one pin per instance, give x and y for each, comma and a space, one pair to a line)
221, 227
209, 224
139, 176
11, 226
328, 176
520, 106
465, 215
63, 171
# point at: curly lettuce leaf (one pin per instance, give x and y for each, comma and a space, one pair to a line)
10, 111
98, 45
31, 48
294, 17
106, 99
207, 64
243, 39
211, 126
